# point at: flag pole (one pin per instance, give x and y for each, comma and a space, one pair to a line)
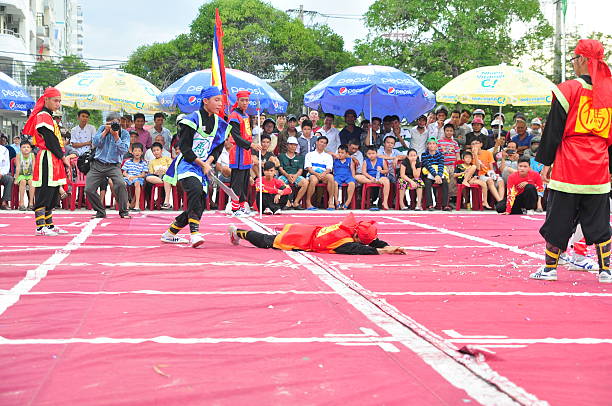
260, 171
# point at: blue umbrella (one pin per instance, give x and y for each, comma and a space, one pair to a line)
184, 92
13, 96
374, 90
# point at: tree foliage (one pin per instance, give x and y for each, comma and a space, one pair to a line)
50, 73
259, 39
440, 40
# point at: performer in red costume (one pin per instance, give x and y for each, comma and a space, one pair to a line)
49, 172
575, 153
240, 154
347, 237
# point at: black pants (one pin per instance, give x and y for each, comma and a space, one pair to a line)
565, 210
196, 200
239, 182
527, 200
268, 202
260, 240
429, 189
45, 196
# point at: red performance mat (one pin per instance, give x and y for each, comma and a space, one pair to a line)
107, 315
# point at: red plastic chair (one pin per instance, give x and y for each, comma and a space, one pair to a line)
156, 203
353, 204
78, 189
222, 197
366, 189
476, 191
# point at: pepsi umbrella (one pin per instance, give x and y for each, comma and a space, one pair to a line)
184, 93
374, 90
13, 96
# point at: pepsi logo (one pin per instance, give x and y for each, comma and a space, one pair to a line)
192, 99
11, 104
343, 91
391, 90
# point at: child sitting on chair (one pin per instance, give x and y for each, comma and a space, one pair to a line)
464, 173
134, 172
275, 192
410, 179
24, 163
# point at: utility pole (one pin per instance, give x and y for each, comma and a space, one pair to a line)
557, 64
301, 13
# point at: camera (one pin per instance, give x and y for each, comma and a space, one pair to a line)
115, 126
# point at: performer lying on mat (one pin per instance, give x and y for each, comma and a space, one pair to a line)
347, 237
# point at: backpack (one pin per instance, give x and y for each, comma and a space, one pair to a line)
84, 161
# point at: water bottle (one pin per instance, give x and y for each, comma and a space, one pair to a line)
377, 173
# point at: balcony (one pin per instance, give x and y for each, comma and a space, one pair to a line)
12, 42
20, 7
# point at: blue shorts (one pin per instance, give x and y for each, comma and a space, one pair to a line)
133, 182
297, 180
348, 178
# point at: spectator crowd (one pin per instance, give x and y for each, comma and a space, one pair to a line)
307, 163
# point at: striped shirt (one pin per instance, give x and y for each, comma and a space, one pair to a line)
428, 160
449, 148
134, 168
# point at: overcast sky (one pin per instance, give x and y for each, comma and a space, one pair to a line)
114, 29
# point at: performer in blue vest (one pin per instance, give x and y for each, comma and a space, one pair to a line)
201, 138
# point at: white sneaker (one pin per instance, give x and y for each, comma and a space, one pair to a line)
241, 213
228, 208
196, 240
232, 231
46, 231
605, 277
59, 230
544, 274
564, 258
581, 263
170, 238
277, 212
267, 211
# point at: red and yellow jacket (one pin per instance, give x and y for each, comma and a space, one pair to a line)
56, 171
581, 163
240, 158
306, 237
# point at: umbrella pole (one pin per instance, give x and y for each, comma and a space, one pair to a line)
371, 119
259, 163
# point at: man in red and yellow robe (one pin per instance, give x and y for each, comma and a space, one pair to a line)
347, 237
575, 152
49, 166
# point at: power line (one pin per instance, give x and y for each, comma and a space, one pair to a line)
87, 59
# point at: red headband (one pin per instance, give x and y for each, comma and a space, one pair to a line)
599, 71
30, 126
240, 94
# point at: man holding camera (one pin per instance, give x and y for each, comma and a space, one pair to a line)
111, 143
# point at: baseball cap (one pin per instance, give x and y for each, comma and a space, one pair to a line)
497, 122
478, 111
535, 140
291, 117
536, 121
268, 120
57, 113
477, 120
292, 140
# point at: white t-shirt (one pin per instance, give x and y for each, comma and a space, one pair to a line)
418, 140
79, 135
149, 154
333, 138
319, 162
224, 158
394, 153
359, 157
434, 131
